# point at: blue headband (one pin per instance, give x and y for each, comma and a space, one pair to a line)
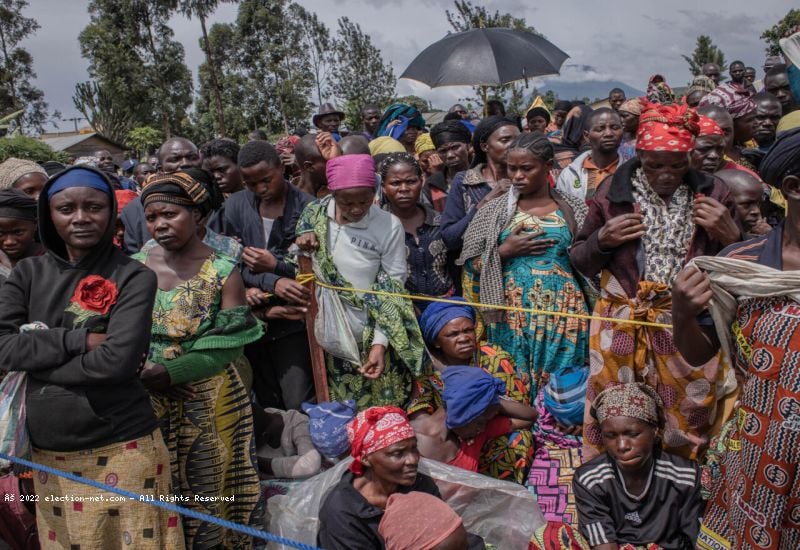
468, 392
438, 314
78, 177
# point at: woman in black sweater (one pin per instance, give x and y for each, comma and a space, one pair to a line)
77, 320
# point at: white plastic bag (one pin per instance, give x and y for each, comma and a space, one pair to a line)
503, 513
331, 327
14, 438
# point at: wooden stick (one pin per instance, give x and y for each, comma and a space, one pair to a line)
317, 354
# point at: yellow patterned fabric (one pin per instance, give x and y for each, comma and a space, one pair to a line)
140, 466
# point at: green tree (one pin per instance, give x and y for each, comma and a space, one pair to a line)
705, 52
422, 104
773, 34
23, 147
201, 9
362, 76
16, 67
272, 55
468, 16
134, 59
318, 45
144, 140
100, 107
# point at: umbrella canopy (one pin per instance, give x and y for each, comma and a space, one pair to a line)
485, 57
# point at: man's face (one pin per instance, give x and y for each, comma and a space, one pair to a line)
105, 161
708, 153
711, 71
749, 75
179, 155
372, 118
778, 85
141, 172
460, 110
329, 123
225, 172
768, 114
616, 99
605, 133
737, 73
264, 180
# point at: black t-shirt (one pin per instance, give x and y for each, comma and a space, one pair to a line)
349, 522
667, 513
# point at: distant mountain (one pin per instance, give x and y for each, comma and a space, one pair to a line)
593, 89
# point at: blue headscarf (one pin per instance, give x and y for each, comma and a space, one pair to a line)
328, 426
79, 177
408, 115
565, 394
438, 314
468, 392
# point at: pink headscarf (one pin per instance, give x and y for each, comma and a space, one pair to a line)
416, 520
349, 171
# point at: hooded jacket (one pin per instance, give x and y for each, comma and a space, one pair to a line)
78, 399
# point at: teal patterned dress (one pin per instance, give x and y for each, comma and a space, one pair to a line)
539, 344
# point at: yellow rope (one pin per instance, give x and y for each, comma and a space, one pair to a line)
305, 278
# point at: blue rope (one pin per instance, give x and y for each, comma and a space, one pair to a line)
269, 537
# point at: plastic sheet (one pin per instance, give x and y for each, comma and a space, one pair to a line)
14, 439
505, 514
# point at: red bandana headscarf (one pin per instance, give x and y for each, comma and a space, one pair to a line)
667, 128
709, 127
374, 429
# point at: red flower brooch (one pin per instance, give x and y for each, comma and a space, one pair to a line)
93, 296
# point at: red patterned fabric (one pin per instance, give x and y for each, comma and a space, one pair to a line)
667, 128
374, 429
709, 127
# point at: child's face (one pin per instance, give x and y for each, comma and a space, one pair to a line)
477, 426
748, 204
629, 441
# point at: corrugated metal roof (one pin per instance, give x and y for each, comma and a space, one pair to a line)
65, 142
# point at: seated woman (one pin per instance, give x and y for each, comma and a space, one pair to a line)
429, 265
201, 324
86, 410
449, 332
515, 254
385, 460
473, 414
634, 493
357, 245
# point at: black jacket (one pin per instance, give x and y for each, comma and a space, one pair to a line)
78, 400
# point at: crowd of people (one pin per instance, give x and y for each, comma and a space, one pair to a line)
597, 304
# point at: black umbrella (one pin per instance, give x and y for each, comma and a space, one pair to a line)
485, 57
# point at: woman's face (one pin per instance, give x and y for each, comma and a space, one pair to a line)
496, 146
171, 225
527, 173
31, 184
409, 136
664, 170
537, 123
708, 153
16, 237
630, 122
396, 463
353, 204
80, 216
477, 426
402, 186
629, 441
457, 341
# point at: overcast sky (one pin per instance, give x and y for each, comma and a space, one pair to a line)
625, 40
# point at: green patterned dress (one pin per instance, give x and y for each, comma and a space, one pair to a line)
210, 436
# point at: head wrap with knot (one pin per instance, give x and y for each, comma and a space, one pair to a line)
632, 106
385, 145
13, 169
423, 143
658, 91
327, 426
374, 429
468, 392
737, 100
782, 158
538, 108
484, 130
450, 131
701, 83
438, 314
17, 205
565, 394
667, 128
286, 144
634, 400
709, 127
350, 171
417, 520
176, 188
406, 114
